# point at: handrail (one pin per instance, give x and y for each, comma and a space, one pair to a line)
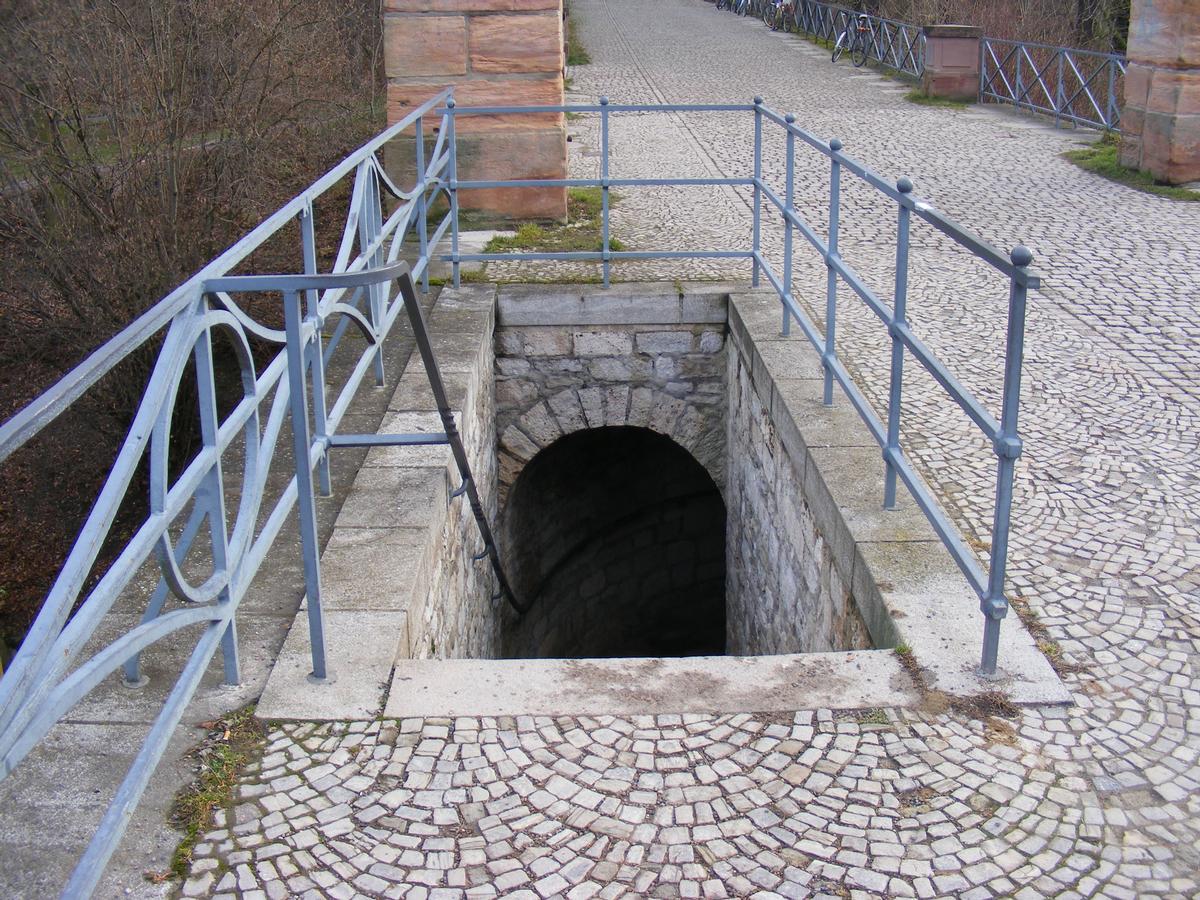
49, 674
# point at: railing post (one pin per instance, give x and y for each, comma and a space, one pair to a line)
899, 309
1114, 112
1019, 91
605, 263
1008, 448
1058, 91
453, 143
831, 275
757, 238
789, 202
308, 241
422, 203
306, 503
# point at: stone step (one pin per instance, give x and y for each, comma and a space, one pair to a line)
860, 679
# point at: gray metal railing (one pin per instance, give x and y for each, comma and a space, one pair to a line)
48, 676
897, 45
1080, 86
45, 681
1001, 431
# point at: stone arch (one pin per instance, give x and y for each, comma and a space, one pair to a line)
615, 536
638, 406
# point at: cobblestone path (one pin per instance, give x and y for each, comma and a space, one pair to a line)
1098, 799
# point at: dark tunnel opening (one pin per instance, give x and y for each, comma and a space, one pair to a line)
617, 536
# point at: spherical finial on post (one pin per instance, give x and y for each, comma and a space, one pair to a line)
835, 145
604, 101
790, 118
904, 185
1021, 255
758, 101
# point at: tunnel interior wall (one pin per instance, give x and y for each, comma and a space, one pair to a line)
618, 540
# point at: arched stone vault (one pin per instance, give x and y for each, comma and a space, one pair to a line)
594, 406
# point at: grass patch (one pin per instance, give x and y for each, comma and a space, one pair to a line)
234, 741
577, 54
1102, 159
873, 716
921, 98
581, 233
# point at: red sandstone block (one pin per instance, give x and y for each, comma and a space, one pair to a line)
470, 5
520, 43
421, 46
486, 92
526, 155
1165, 32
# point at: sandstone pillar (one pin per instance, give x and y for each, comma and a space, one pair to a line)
494, 53
951, 61
1160, 122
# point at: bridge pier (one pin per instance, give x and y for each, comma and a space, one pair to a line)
1161, 118
494, 53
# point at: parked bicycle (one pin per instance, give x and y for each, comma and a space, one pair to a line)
740, 7
856, 37
777, 12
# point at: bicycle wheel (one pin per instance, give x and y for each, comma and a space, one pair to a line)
768, 14
858, 50
839, 47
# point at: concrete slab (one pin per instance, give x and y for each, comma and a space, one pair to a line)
361, 646
393, 497
699, 684
937, 614
371, 568
650, 303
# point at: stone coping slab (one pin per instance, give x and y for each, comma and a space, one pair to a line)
860, 679
906, 585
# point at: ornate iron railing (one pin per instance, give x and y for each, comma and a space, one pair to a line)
44, 681
897, 45
1080, 86
47, 676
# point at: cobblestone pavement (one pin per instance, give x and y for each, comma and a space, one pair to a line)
1098, 799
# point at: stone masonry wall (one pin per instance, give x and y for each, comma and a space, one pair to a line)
494, 53
784, 594
639, 355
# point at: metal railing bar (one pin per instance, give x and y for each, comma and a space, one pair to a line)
947, 532
598, 256
612, 182
1099, 54
112, 827
387, 440
597, 108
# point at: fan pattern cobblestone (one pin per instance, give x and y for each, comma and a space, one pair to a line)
1098, 799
